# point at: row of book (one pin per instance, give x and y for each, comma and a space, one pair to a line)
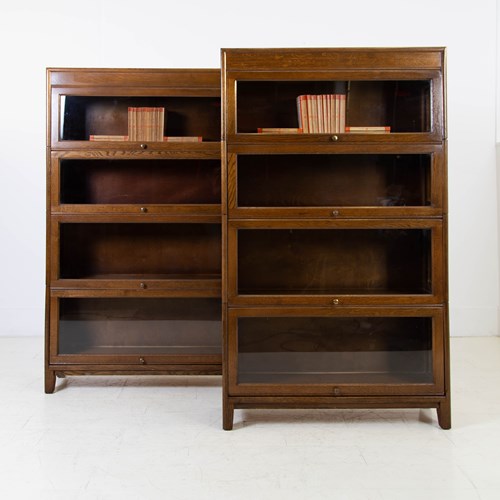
121, 138
322, 113
146, 124
348, 130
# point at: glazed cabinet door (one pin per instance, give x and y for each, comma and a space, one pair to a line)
134, 110
335, 351
341, 262
374, 106
167, 184
335, 181
148, 254
134, 330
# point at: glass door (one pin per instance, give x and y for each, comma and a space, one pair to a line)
340, 352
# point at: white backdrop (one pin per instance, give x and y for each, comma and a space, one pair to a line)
124, 33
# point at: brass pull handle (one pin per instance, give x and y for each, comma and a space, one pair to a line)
143, 286
336, 391
144, 210
335, 213
144, 146
335, 302
334, 138
142, 361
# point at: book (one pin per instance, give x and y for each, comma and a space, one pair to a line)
301, 112
368, 130
279, 130
182, 139
335, 109
108, 138
324, 112
312, 110
342, 113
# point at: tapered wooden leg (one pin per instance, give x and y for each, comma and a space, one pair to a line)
444, 414
50, 381
227, 415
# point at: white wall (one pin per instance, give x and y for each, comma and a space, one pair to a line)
123, 33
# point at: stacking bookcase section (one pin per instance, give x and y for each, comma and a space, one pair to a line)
93, 108
133, 223
160, 254
338, 181
318, 262
320, 351
135, 331
335, 231
392, 96
130, 185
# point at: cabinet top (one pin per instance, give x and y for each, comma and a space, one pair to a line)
133, 77
293, 59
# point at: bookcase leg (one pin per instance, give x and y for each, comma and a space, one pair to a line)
50, 381
444, 414
227, 415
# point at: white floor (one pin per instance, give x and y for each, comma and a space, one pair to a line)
161, 438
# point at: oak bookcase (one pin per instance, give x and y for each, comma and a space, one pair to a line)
335, 245
133, 228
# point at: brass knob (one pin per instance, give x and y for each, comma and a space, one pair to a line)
144, 210
335, 302
144, 146
335, 138
336, 391
335, 213
142, 361
143, 286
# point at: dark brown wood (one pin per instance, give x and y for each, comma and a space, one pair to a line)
227, 414
129, 150
130, 370
337, 403
317, 59
143, 286
133, 228
130, 78
50, 381
444, 413
324, 309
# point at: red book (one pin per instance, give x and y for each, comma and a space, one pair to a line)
302, 113
181, 138
279, 130
108, 138
368, 130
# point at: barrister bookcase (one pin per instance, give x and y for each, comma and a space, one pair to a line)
133, 227
334, 271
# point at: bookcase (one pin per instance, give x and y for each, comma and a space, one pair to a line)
133, 226
335, 244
